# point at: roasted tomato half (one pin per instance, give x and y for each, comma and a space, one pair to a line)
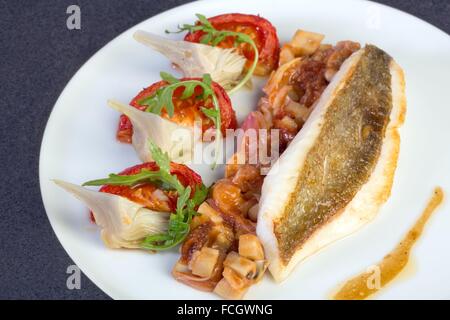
186, 110
151, 195
259, 29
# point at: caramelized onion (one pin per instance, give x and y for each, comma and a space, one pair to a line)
280, 78
227, 196
253, 213
297, 110
261, 267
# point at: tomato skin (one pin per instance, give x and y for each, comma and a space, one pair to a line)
267, 39
185, 175
228, 116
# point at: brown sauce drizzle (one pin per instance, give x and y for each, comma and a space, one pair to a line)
360, 287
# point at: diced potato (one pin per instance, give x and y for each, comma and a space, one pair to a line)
181, 267
243, 266
250, 247
286, 54
305, 43
225, 290
198, 220
234, 279
223, 240
204, 262
206, 210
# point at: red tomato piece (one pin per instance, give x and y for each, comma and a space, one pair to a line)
259, 29
186, 110
148, 194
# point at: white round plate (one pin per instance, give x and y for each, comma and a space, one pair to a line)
79, 144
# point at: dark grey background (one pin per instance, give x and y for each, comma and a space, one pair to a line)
38, 56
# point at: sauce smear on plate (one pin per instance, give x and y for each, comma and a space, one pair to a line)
362, 286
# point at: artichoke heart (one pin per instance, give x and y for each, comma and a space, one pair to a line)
195, 59
123, 223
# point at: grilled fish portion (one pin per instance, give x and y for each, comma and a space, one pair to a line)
338, 170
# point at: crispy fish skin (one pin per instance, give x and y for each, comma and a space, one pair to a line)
344, 153
339, 169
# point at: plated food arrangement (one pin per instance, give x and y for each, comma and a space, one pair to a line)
315, 162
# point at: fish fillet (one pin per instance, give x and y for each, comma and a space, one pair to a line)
339, 169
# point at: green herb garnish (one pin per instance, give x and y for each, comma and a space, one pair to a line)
162, 99
179, 221
162, 177
213, 37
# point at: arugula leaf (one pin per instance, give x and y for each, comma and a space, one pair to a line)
162, 176
213, 37
182, 200
163, 179
207, 80
161, 158
204, 21
179, 222
170, 107
176, 233
123, 180
206, 38
189, 89
214, 115
218, 39
208, 89
200, 194
211, 113
163, 97
178, 227
168, 77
